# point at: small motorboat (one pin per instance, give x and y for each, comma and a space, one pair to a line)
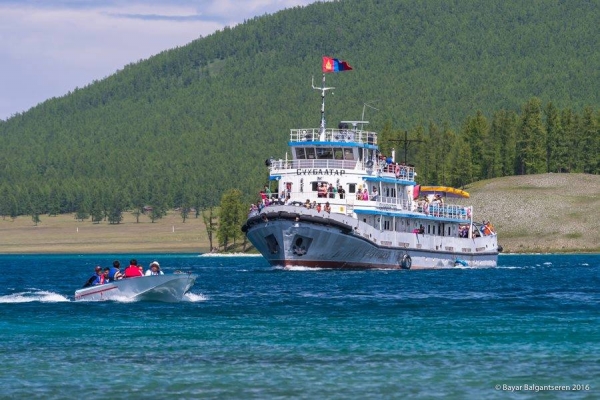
167, 288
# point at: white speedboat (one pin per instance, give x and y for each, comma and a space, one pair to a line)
167, 288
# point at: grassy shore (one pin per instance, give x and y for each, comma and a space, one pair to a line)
544, 213
64, 234
533, 213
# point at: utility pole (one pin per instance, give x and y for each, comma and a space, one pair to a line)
406, 141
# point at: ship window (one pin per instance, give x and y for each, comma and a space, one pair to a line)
428, 229
448, 231
300, 154
310, 153
348, 154
338, 153
352, 188
315, 186
325, 153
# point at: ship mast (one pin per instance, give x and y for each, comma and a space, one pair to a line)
323, 89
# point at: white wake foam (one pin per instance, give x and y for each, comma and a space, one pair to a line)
193, 297
39, 296
229, 255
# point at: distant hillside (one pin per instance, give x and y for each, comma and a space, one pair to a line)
541, 213
181, 127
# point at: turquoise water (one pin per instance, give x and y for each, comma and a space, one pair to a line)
248, 330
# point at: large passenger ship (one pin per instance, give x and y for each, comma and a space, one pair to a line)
339, 203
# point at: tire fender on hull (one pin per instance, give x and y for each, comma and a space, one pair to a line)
405, 262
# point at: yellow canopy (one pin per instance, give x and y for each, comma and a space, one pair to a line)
447, 191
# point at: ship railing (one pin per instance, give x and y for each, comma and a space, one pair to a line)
453, 211
393, 203
333, 135
347, 204
403, 172
277, 165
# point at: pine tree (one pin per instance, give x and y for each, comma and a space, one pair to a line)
531, 139
554, 150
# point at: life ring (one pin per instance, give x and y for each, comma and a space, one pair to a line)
397, 171
406, 262
370, 164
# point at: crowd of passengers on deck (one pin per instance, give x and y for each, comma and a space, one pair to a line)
106, 275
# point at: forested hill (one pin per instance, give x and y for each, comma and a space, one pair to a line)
183, 126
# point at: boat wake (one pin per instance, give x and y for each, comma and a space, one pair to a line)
193, 297
33, 296
229, 255
300, 268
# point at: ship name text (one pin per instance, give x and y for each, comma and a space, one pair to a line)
314, 171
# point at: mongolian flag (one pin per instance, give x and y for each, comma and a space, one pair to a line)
335, 65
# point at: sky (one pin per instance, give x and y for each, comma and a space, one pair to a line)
50, 47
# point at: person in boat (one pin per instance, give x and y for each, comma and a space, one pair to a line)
374, 193
359, 194
341, 191
327, 207
133, 270
114, 274
154, 269
307, 204
319, 207
96, 279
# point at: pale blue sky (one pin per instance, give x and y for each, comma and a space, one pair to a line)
49, 47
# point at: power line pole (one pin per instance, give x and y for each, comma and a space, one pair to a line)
406, 141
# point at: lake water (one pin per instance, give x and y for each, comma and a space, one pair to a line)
248, 330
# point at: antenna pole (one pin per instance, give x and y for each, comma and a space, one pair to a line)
323, 89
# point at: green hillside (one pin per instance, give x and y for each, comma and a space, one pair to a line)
473, 80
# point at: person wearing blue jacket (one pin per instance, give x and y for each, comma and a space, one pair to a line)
115, 272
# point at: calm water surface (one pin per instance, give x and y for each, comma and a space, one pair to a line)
248, 330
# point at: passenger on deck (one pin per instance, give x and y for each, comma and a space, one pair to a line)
327, 208
374, 194
359, 194
115, 272
341, 191
365, 194
319, 207
307, 204
154, 269
133, 270
330, 191
322, 192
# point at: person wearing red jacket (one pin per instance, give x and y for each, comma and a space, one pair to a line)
133, 270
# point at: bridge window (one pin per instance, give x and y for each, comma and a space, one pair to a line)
300, 154
324, 153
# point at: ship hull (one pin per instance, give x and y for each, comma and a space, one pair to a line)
314, 241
